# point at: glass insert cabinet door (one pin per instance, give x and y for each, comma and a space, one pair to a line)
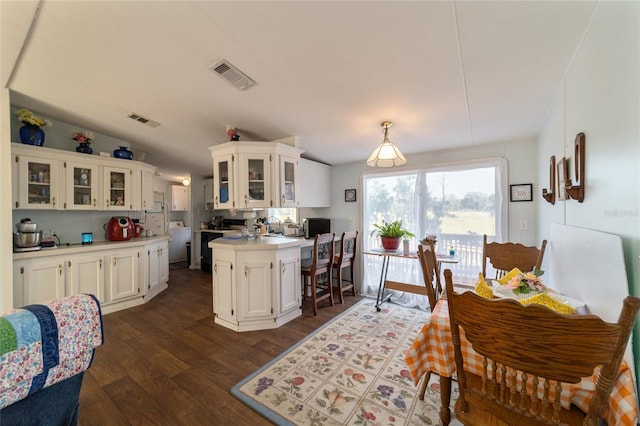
223, 195
117, 189
37, 183
82, 186
255, 180
288, 176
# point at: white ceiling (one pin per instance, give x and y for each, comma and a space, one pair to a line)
447, 74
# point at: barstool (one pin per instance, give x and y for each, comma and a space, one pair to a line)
346, 259
321, 262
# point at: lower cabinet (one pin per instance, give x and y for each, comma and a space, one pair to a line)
256, 290
122, 280
157, 269
86, 274
45, 279
118, 277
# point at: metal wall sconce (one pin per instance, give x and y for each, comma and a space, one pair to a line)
551, 196
577, 191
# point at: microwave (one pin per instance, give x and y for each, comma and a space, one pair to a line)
315, 225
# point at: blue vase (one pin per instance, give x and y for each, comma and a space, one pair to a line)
123, 152
84, 148
31, 135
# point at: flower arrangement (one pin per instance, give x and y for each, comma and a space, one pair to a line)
525, 283
429, 239
83, 137
27, 117
232, 133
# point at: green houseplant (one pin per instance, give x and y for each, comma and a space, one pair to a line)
391, 233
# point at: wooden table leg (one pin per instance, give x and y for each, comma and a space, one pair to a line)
445, 400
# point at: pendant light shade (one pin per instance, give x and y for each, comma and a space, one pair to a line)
387, 154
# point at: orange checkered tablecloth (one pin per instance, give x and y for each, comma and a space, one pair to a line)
432, 351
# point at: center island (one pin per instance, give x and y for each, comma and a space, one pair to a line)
256, 282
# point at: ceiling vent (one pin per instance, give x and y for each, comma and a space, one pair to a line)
233, 75
143, 120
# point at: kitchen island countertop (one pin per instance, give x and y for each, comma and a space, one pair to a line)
258, 243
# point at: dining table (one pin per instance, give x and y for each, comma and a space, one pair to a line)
384, 284
432, 351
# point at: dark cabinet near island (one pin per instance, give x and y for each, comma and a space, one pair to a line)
205, 251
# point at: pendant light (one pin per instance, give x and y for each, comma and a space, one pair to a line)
387, 154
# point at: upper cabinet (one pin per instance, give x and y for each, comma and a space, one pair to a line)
179, 198
314, 184
36, 183
45, 178
249, 175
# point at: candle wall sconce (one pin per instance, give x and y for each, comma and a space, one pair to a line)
551, 196
577, 191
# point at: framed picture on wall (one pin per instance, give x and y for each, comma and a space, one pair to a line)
349, 195
521, 192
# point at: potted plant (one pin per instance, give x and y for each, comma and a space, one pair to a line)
390, 234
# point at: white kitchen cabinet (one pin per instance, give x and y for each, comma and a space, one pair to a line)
53, 179
81, 184
224, 196
224, 288
254, 181
38, 186
179, 198
289, 291
250, 175
314, 184
146, 184
255, 289
85, 274
45, 279
122, 278
288, 181
19, 282
255, 286
115, 275
117, 189
157, 268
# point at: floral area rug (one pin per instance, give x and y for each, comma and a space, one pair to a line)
349, 372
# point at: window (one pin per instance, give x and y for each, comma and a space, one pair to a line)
457, 203
283, 215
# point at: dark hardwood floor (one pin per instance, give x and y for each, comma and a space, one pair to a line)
167, 363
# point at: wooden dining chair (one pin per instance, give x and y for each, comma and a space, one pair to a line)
432, 286
346, 259
430, 273
532, 347
506, 256
321, 262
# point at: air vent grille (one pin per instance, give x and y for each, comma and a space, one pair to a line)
233, 75
143, 120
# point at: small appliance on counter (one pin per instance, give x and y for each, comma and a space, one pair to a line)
28, 237
315, 225
119, 228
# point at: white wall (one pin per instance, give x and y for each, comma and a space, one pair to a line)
601, 97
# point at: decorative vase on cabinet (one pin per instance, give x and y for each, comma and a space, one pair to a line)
31, 135
84, 148
123, 152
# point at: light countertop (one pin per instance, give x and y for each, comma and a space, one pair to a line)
95, 246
